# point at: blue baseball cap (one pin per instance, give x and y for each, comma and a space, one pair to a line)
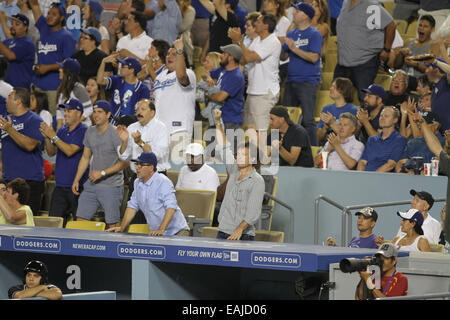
71, 65
376, 90
306, 8
132, 63
94, 33
97, 7
73, 103
147, 157
105, 105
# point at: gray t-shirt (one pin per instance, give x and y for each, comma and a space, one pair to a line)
360, 31
104, 153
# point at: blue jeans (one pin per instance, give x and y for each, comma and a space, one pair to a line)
223, 235
362, 76
303, 95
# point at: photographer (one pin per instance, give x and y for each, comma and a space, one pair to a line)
393, 283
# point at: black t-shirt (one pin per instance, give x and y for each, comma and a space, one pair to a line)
89, 63
219, 31
296, 136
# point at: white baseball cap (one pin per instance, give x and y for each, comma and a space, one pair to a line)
194, 149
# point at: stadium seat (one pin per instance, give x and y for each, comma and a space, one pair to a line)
269, 236
412, 29
389, 6
173, 176
327, 80
437, 248
294, 113
402, 26
322, 99
139, 228
86, 225
330, 61
384, 80
222, 177
199, 203
272, 202
50, 222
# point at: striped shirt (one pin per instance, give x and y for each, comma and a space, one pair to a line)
243, 199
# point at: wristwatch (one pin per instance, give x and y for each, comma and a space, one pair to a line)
179, 51
103, 173
387, 50
54, 139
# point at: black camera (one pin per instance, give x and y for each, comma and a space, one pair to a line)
355, 264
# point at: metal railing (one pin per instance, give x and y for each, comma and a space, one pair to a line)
291, 226
442, 295
346, 212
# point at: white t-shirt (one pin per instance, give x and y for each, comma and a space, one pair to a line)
263, 75
175, 104
431, 230
138, 46
205, 178
5, 89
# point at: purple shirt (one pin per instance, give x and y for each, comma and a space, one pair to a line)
367, 243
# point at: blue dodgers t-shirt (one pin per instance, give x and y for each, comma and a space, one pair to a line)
379, 151
53, 47
233, 83
20, 70
17, 162
367, 242
300, 70
66, 167
336, 112
440, 103
125, 96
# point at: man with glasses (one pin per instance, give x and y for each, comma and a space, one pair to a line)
154, 195
89, 56
398, 90
384, 149
126, 88
367, 219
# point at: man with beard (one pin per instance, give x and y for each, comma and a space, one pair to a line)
231, 82
197, 174
55, 45
369, 115
383, 150
19, 51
